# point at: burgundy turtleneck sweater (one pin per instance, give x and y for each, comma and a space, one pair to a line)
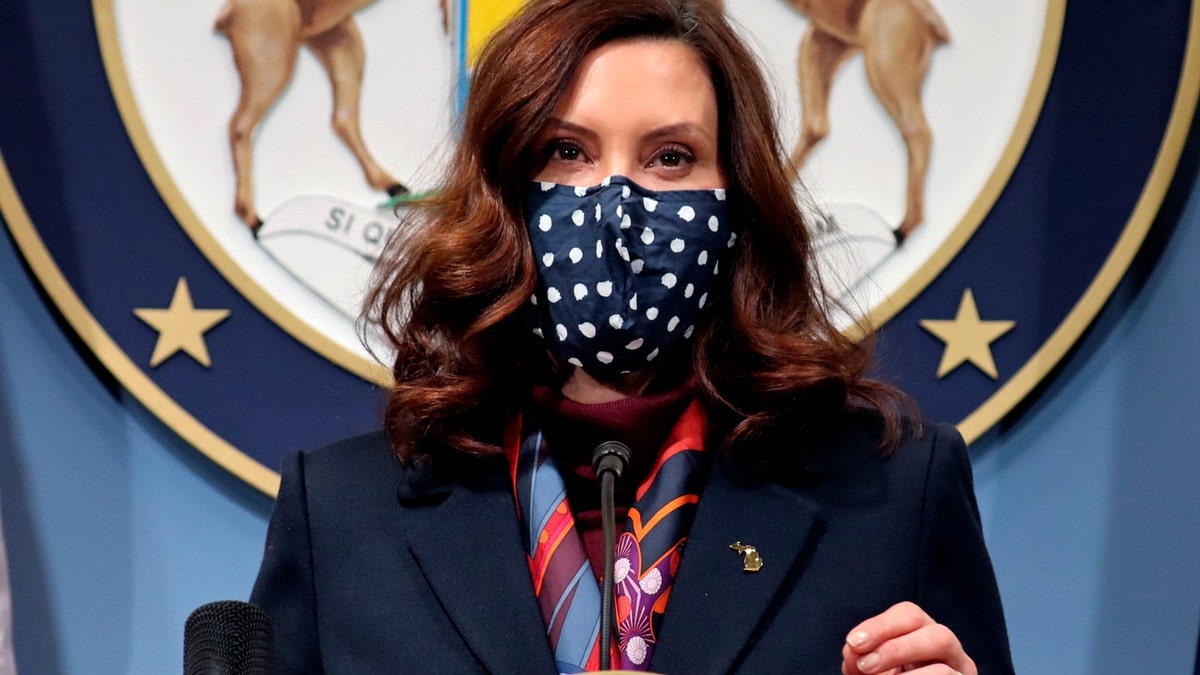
573, 430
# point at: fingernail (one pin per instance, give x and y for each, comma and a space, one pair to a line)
858, 638
868, 662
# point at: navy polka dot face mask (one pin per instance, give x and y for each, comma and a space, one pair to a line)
625, 272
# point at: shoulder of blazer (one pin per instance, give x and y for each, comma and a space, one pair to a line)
924, 450
366, 464
851, 443
856, 440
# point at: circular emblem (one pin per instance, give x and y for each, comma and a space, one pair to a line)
203, 188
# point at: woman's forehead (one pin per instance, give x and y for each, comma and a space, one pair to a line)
650, 80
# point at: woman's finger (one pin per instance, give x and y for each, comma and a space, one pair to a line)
933, 669
930, 644
899, 619
850, 664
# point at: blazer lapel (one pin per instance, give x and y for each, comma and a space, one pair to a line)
715, 605
470, 552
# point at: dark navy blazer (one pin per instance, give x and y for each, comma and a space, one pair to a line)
372, 566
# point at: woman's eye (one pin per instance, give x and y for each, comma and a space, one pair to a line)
563, 151
673, 158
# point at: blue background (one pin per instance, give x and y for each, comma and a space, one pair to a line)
116, 529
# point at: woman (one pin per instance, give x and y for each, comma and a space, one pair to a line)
617, 255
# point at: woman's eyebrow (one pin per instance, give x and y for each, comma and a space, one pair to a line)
559, 124
681, 128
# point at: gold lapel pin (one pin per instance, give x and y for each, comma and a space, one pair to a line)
751, 560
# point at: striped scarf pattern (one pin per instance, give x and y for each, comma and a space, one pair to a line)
648, 550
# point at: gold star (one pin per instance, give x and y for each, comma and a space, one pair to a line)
967, 338
181, 326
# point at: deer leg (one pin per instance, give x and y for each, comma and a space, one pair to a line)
340, 50
820, 57
897, 60
265, 39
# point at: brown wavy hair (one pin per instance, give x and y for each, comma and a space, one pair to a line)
448, 291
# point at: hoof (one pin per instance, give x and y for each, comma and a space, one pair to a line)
900, 237
258, 223
396, 190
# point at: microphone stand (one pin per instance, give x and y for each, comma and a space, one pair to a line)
610, 459
608, 515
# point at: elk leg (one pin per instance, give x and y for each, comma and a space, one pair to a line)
340, 50
897, 60
820, 57
265, 38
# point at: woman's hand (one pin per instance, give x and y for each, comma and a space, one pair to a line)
904, 639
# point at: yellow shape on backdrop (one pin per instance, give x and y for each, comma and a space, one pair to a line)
483, 18
181, 327
968, 338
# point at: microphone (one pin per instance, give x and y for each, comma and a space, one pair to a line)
227, 637
611, 456
609, 459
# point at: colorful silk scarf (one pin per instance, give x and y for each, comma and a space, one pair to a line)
647, 555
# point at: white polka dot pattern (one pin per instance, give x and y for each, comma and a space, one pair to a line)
660, 246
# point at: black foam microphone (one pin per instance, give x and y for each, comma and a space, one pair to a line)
609, 459
227, 637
